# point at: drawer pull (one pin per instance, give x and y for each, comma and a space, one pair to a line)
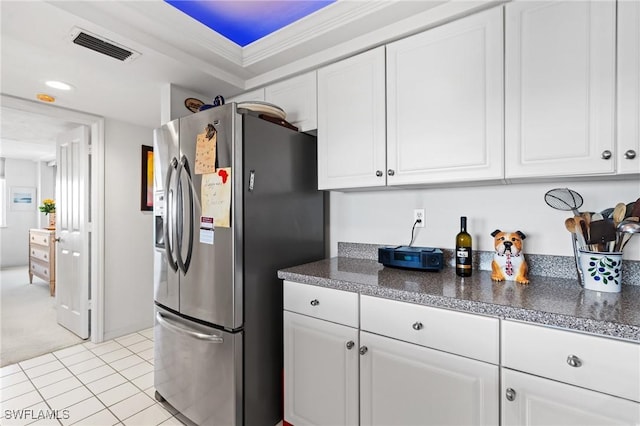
574, 361
511, 394
315, 302
350, 344
417, 325
363, 350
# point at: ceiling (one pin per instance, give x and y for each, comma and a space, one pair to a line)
174, 48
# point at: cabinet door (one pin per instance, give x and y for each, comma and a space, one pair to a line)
533, 401
351, 122
560, 86
628, 147
406, 384
445, 103
320, 372
297, 97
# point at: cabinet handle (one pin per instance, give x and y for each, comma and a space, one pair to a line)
574, 361
606, 154
378, 173
417, 325
350, 344
511, 394
315, 302
391, 172
630, 154
363, 350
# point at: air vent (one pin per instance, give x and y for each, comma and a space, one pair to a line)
102, 45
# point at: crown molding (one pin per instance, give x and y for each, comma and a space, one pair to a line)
324, 21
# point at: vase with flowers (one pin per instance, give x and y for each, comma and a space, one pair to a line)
48, 207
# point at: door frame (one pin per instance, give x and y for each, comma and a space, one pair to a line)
96, 124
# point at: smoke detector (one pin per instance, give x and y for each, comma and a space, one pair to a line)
102, 45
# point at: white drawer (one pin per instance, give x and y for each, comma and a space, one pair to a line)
460, 333
598, 363
320, 302
42, 239
40, 254
40, 270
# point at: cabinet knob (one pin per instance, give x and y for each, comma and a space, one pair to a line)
417, 325
363, 350
350, 344
574, 361
378, 173
57, 239
606, 154
511, 394
630, 154
391, 172
315, 302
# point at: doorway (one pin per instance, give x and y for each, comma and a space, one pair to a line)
96, 125
28, 318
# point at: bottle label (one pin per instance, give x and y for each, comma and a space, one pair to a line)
463, 257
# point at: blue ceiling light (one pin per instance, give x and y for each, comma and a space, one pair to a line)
244, 22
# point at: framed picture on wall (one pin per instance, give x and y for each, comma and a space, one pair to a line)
22, 198
146, 182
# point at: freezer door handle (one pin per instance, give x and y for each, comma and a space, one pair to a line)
173, 326
170, 219
183, 167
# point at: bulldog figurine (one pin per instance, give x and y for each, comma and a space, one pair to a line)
508, 261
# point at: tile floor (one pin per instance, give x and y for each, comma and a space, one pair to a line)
110, 383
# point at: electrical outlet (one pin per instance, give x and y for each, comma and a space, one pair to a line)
418, 214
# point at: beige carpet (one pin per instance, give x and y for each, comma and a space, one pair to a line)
28, 318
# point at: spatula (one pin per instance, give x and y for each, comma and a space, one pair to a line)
602, 232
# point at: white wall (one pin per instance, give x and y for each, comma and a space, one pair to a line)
172, 103
128, 282
386, 216
14, 239
46, 176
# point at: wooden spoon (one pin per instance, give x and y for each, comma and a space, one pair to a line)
618, 213
580, 230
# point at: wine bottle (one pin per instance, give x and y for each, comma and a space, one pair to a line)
463, 250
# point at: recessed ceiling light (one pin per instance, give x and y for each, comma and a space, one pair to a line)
58, 85
45, 98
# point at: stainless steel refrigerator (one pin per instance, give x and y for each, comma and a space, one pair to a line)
218, 324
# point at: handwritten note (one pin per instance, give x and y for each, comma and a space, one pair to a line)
215, 195
206, 153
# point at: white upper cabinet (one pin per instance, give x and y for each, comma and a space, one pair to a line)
445, 103
560, 88
628, 147
297, 97
351, 122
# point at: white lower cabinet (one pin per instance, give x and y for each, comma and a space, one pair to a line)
321, 372
406, 384
528, 400
559, 377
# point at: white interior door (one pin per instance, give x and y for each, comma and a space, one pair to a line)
72, 229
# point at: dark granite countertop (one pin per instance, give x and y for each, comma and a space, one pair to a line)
556, 302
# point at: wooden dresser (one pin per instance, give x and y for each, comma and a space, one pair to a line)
42, 256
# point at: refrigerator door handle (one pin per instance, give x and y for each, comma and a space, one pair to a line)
184, 263
170, 222
173, 326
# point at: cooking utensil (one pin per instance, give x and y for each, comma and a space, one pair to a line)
564, 199
573, 226
607, 212
627, 228
601, 233
618, 213
635, 210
